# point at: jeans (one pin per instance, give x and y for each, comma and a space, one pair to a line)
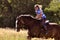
43, 23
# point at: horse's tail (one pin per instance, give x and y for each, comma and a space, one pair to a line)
16, 24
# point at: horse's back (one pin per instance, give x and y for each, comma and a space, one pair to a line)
53, 24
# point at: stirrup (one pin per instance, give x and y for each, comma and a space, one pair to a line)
46, 32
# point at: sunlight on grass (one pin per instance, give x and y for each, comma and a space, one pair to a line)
10, 34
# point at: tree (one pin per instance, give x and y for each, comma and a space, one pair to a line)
10, 9
53, 11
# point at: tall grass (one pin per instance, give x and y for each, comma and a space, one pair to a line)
10, 34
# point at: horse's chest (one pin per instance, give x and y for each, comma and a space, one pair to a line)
35, 30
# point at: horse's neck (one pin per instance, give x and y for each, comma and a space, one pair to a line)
27, 21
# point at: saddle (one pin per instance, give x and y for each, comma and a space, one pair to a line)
50, 23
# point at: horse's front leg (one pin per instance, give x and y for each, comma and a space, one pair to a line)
28, 38
29, 35
18, 28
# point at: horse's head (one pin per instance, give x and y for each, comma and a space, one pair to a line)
16, 24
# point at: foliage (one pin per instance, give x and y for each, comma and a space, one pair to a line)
53, 11
10, 9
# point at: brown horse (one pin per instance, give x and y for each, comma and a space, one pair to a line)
36, 29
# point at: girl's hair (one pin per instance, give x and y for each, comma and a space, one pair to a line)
38, 7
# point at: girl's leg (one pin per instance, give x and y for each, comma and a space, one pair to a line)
44, 25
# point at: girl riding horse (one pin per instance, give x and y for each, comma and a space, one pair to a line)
40, 15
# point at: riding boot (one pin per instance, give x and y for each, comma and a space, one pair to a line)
45, 27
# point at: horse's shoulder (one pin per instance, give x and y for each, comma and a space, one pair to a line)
53, 24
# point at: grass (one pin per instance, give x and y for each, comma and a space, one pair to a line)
10, 34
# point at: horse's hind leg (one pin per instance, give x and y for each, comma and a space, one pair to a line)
28, 38
57, 38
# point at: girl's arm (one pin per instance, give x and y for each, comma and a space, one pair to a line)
40, 16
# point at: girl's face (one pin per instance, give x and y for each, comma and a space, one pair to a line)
36, 8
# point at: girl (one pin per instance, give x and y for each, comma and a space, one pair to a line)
40, 15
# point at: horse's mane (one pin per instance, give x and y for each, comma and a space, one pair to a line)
26, 15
